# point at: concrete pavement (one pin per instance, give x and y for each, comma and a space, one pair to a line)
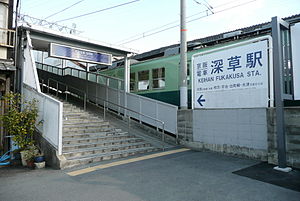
183, 176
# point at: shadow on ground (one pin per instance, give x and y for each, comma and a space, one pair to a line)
264, 172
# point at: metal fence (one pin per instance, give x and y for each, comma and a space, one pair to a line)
93, 77
111, 90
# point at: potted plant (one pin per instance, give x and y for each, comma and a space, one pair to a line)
19, 121
29, 154
39, 160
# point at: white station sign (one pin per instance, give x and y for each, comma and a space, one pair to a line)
235, 77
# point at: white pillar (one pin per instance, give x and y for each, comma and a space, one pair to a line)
183, 57
126, 80
126, 74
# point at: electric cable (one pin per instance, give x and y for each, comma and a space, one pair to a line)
64, 9
188, 22
173, 22
208, 6
97, 11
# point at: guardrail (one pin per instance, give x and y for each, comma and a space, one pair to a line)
126, 110
112, 82
7, 37
114, 94
66, 91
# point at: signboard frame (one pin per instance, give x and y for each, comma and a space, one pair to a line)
239, 44
295, 31
52, 54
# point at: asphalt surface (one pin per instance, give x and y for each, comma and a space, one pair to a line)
185, 176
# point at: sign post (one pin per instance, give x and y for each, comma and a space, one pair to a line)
277, 26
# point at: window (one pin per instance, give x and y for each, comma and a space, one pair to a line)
143, 80
158, 78
132, 81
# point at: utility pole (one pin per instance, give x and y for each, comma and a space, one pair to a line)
183, 57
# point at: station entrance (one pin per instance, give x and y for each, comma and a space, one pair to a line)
60, 71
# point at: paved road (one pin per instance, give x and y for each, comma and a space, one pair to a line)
185, 176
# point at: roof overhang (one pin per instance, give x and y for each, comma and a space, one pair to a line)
42, 37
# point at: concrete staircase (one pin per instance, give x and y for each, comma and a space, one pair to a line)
88, 138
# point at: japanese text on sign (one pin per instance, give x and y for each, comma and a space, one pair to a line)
238, 68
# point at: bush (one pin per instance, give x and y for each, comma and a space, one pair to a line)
20, 118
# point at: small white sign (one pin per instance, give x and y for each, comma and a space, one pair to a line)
235, 77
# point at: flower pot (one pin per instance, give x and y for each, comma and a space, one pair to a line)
40, 164
39, 159
30, 164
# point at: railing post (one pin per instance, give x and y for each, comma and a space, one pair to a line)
67, 89
128, 123
106, 89
48, 86
163, 135
104, 112
57, 89
84, 102
42, 85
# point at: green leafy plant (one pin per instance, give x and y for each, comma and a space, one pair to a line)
20, 119
30, 152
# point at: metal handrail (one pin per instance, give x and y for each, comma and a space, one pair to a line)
130, 110
92, 73
104, 107
67, 90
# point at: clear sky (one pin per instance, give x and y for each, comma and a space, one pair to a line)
138, 18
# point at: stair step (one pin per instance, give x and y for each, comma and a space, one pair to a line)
115, 132
85, 126
293, 150
106, 128
70, 147
81, 122
103, 149
91, 139
73, 109
79, 116
74, 161
88, 138
73, 113
75, 119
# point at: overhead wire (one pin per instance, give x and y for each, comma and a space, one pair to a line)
64, 9
97, 11
208, 6
146, 35
173, 22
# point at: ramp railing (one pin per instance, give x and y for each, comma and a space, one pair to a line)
62, 88
111, 90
